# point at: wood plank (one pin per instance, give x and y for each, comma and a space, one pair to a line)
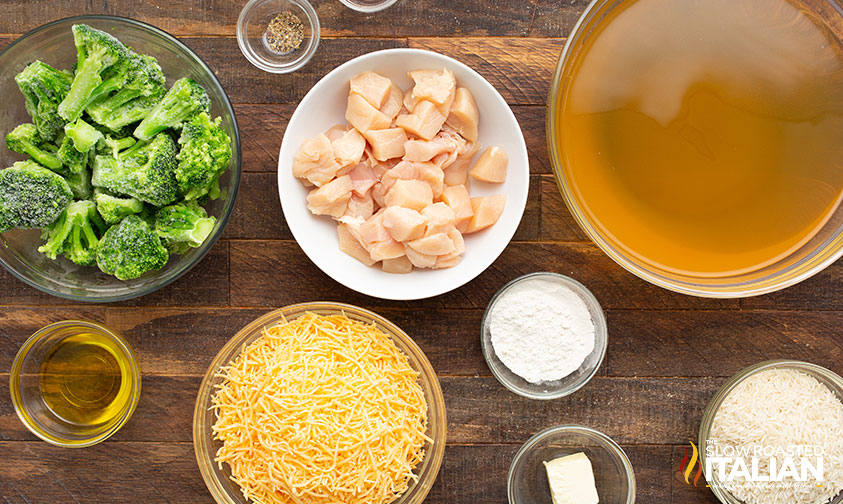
520, 69
820, 292
205, 284
251, 285
557, 223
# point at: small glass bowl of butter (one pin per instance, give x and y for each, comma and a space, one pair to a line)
530, 478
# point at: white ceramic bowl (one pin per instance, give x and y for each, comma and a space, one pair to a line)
324, 106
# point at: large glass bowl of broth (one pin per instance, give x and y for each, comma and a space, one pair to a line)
699, 143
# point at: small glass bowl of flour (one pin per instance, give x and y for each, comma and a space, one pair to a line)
544, 335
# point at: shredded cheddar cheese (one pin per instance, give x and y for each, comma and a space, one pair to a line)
321, 410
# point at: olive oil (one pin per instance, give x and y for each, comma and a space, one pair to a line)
705, 137
84, 381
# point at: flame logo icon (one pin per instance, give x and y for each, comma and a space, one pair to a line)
687, 466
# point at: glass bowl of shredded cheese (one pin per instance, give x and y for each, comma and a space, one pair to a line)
317, 403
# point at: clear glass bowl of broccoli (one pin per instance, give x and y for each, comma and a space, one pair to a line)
121, 158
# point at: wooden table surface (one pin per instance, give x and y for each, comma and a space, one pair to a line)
667, 352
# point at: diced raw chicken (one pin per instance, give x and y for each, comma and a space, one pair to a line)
440, 218
487, 211
491, 166
433, 175
363, 177
372, 230
455, 146
397, 265
404, 170
351, 245
381, 167
408, 102
459, 243
436, 86
457, 173
348, 148
423, 150
447, 261
379, 194
315, 161
336, 131
463, 116
435, 244
387, 249
373, 87
360, 206
458, 199
394, 102
425, 121
332, 198
363, 116
403, 224
387, 143
418, 259
414, 194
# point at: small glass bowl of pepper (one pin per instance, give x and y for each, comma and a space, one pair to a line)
278, 36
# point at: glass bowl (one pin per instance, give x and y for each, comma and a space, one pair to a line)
218, 481
368, 5
53, 43
810, 258
557, 388
26, 383
828, 378
252, 38
613, 474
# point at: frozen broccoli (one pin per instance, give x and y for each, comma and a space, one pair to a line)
73, 160
25, 140
114, 208
80, 184
204, 155
84, 135
31, 196
76, 234
145, 171
183, 225
130, 249
143, 89
101, 67
43, 88
113, 146
185, 99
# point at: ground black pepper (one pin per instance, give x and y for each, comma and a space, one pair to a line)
284, 33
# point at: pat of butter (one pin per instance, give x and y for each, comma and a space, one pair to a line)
571, 480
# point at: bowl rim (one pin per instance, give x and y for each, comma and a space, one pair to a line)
614, 448
262, 63
707, 421
237, 151
368, 8
23, 352
435, 398
600, 326
815, 261
370, 288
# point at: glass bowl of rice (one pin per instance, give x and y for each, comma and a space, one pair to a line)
217, 476
777, 378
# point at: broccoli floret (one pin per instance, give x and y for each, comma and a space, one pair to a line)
101, 67
113, 146
145, 171
143, 89
73, 160
130, 249
80, 184
183, 225
43, 88
185, 99
31, 196
204, 155
114, 208
84, 135
76, 234
25, 140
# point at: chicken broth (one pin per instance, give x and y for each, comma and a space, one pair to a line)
704, 136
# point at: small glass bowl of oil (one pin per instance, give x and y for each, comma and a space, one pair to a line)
75, 383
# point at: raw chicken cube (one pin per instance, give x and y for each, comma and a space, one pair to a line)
457, 173
458, 199
436, 86
418, 259
440, 218
374, 88
360, 206
336, 131
379, 194
332, 198
315, 161
463, 116
351, 245
459, 243
387, 249
414, 194
404, 170
491, 166
487, 211
363, 116
403, 224
423, 150
348, 148
433, 175
387, 143
435, 244
394, 102
397, 265
363, 177
372, 230
425, 121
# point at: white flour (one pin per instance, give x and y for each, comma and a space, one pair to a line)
541, 330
